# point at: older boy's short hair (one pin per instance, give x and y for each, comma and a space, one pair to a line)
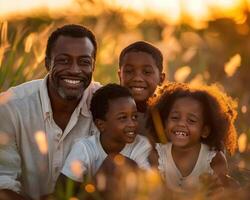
142, 46
100, 101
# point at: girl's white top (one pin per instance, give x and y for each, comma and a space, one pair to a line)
171, 174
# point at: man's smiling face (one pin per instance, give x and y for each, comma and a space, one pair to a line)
71, 67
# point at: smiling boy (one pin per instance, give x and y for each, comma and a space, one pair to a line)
141, 71
115, 115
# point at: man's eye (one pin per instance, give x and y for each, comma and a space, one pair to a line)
62, 61
84, 62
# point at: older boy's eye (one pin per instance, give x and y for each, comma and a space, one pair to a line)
148, 72
127, 71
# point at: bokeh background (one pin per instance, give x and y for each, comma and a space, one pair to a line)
203, 41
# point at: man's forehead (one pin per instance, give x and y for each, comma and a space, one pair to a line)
68, 44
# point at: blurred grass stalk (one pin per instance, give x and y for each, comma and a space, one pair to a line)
21, 55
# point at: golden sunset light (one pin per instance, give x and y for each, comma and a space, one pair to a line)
194, 12
41, 141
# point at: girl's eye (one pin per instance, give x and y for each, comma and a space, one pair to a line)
192, 121
174, 117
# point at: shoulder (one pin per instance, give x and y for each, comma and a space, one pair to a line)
141, 140
94, 86
219, 163
25, 89
84, 143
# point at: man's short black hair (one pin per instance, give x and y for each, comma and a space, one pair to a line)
143, 46
100, 101
71, 30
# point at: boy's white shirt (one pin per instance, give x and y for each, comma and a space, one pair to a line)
87, 156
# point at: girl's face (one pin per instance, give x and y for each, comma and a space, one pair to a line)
185, 124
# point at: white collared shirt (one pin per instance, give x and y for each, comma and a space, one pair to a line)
23, 168
89, 154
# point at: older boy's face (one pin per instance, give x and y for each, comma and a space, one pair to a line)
71, 67
140, 74
120, 124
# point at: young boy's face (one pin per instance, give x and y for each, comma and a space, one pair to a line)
140, 74
120, 124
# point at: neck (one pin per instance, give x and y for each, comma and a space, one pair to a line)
141, 106
191, 149
109, 146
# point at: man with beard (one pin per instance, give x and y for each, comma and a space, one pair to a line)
43, 118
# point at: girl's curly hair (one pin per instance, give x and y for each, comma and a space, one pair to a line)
219, 112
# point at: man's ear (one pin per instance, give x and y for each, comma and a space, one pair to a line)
205, 132
162, 78
100, 124
119, 75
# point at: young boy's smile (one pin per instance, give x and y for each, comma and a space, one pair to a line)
140, 74
120, 124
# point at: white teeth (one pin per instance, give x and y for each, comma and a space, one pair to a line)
131, 133
137, 89
72, 81
181, 133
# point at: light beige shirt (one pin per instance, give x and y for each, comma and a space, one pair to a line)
170, 172
26, 166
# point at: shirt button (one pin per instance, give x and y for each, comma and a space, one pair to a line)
58, 147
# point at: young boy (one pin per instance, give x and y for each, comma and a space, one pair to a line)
140, 70
115, 115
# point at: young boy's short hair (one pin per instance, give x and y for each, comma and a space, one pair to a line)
142, 46
100, 101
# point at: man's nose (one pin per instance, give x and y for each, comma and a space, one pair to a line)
75, 68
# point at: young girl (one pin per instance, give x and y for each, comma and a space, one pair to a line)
199, 125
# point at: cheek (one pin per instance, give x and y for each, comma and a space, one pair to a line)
153, 81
